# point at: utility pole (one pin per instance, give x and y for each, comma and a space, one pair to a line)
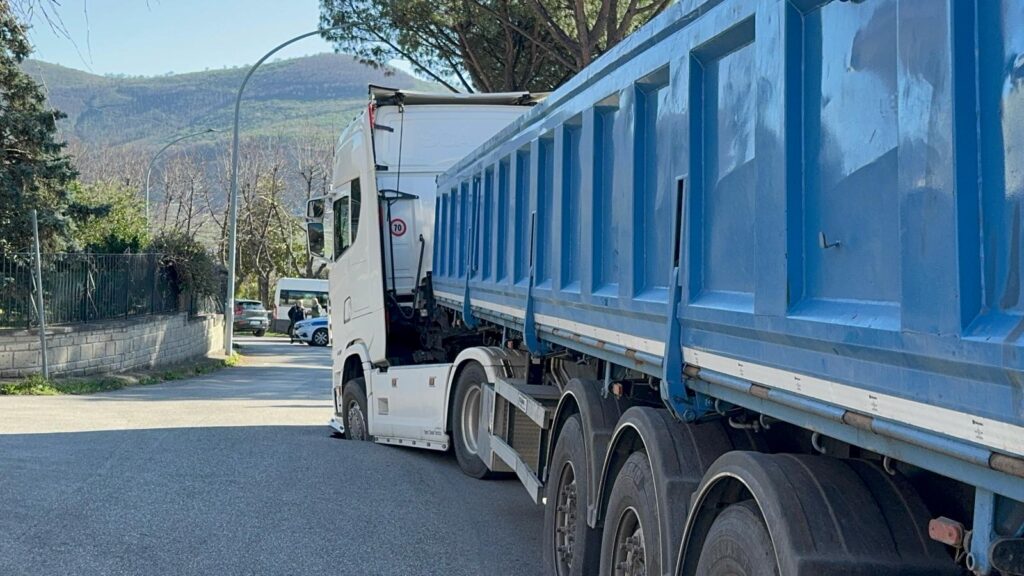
39, 294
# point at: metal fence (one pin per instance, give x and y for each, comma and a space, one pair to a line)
84, 288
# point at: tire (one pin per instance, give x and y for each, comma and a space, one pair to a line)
259, 333
738, 544
353, 410
630, 544
465, 420
320, 337
571, 548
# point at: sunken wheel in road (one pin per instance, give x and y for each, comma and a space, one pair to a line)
353, 410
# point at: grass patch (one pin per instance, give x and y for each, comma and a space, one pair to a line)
36, 385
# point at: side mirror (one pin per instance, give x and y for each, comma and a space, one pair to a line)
315, 209
318, 238
315, 239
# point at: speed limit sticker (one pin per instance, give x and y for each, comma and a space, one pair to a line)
398, 227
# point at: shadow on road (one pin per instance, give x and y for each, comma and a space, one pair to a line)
252, 499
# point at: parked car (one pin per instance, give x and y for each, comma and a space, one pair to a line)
251, 315
314, 331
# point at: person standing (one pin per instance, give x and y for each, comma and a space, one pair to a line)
315, 310
295, 314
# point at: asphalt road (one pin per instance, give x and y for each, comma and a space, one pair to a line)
236, 473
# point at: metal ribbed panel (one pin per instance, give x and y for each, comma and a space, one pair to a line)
526, 440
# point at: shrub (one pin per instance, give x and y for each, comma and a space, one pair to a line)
187, 264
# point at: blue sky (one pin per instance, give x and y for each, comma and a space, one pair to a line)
153, 37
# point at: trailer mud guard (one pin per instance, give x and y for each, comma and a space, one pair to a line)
825, 516
598, 416
678, 453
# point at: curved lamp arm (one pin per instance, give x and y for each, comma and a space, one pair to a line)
229, 299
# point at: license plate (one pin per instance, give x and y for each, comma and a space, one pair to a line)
255, 323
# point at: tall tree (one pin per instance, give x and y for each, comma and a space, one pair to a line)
313, 156
113, 219
466, 45
270, 234
34, 170
486, 45
184, 181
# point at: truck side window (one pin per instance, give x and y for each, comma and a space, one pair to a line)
346, 218
341, 226
356, 197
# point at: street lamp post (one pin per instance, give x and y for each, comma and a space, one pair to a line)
229, 300
149, 171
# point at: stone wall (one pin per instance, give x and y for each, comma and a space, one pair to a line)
118, 346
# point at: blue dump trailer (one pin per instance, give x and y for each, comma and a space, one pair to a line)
764, 258
744, 297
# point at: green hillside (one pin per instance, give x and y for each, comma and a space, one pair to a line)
284, 98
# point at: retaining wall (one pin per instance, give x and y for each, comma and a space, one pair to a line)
119, 346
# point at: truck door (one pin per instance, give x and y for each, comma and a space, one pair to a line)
358, 278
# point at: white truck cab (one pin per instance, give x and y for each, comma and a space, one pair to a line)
375, 229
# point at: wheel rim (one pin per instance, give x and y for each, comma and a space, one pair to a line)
320, 338
356, 422
471, 418
629, 555
565, 519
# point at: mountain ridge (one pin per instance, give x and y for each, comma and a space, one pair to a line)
288, 98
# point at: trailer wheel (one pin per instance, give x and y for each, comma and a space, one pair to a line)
466, 420
570, 546
353, 410
630, 544
738, 544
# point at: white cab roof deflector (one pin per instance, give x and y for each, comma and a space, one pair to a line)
384, 96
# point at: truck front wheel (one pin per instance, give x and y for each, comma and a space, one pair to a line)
466, 420
630, 544
570, 546
353, 410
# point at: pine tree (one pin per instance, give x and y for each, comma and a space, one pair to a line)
35, 172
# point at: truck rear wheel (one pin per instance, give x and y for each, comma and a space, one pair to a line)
353, 410
738, 544
630, 544
466, 420
570, 546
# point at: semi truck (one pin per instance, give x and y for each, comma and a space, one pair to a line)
741, 297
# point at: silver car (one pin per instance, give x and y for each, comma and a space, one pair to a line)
250, 315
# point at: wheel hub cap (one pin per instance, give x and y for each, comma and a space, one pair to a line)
356, 422
630, 558
565, 519
471, 419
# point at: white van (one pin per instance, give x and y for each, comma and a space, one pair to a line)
301, 290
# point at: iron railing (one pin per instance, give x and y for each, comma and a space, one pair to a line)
81, 288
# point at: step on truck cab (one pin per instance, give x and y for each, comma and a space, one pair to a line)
742, 297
